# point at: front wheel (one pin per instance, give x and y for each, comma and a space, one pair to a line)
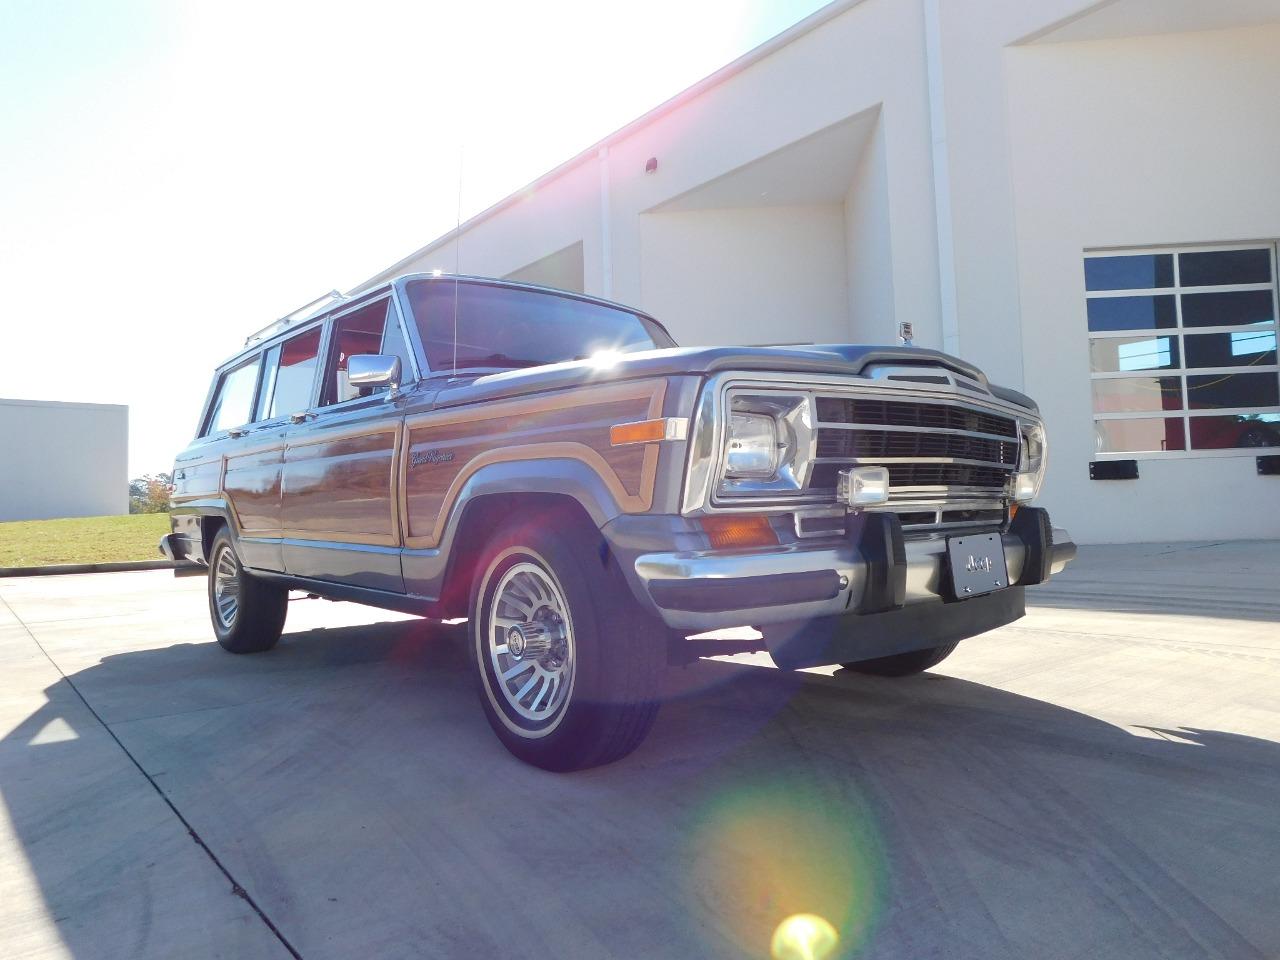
903, 664
247, 613
567, 665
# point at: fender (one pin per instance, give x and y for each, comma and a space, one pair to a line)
425, 569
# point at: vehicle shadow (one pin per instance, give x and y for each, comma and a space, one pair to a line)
348, 782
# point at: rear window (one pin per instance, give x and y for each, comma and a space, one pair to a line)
233, 405
506, 327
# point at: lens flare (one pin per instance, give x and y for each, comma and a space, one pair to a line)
804, 936
790, 863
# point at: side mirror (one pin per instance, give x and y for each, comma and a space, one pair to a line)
373, 370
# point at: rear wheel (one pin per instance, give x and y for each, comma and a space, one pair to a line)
903, 664
567, 664
247, 612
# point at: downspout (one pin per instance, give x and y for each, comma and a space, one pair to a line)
941, 178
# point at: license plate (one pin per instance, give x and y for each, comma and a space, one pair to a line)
977, 564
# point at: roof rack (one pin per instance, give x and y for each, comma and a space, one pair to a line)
293, 317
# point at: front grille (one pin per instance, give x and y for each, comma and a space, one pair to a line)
873, 444
924, 475
902, 413
949, 463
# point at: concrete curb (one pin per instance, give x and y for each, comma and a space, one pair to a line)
58, 568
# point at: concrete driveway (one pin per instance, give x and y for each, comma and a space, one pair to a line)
1100, 780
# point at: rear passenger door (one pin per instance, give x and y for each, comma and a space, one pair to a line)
339, 506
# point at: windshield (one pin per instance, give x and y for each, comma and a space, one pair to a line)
510, 327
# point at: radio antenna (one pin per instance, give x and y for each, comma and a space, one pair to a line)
457, 259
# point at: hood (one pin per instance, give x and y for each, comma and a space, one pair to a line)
844, 359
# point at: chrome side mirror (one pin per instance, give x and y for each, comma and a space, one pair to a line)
373, 370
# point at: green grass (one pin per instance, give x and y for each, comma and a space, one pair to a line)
38, 543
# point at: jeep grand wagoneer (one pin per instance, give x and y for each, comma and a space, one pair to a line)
588, 495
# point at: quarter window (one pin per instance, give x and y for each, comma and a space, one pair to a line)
233, 406
1182, 349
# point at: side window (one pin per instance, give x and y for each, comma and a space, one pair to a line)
290, 388
361, 331
270, 364
233, 406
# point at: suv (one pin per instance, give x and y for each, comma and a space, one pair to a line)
553, 468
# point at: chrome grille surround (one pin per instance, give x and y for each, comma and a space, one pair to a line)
952, 448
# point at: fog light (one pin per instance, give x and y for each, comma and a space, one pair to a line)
1024, 487
863, 486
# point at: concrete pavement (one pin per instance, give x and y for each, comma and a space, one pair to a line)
1101, 779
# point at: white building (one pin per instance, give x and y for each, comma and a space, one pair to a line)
959, 164
63, 459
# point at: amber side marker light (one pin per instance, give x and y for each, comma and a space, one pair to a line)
749, 531
649, 431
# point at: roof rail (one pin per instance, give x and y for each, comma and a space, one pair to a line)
290, 318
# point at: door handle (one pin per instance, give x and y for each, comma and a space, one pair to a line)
301, 417
235, 433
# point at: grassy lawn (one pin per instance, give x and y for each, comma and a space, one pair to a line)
37, 543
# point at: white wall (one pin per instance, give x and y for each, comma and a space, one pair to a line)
63, 460
1140, 141
747, 276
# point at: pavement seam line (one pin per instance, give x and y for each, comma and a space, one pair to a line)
236, 888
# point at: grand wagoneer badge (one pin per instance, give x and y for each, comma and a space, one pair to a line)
430, 456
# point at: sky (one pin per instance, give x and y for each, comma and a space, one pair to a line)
175, 175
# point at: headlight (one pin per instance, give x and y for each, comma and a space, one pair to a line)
1032, 460
768, 443
752, 450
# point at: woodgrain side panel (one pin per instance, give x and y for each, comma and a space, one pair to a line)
342, 486
197, 478
442, 450
251, 481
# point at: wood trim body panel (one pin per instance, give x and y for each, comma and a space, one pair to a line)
341, 485
360, 484
452, 444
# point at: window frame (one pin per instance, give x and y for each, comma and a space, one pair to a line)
329, 344
219, 381
1184, 414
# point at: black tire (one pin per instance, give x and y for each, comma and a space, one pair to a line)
618, 652
257, 621
903, 664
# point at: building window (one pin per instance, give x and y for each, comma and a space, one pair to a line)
1182, 350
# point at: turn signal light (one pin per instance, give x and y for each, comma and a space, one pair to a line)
752, 530
649, 431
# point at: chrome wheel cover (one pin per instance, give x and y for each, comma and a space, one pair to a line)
533, 687
226, 589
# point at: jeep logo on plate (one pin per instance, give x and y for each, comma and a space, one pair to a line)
975, 564
430, 456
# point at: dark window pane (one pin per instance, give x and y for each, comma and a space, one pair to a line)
1137, 394
1141, 272
1224, 266
1221, 390
1132, 313
1236, 308
1244, 348
510, 328
1131, 436
1226, 433
296, 375
358, 332
1120, 354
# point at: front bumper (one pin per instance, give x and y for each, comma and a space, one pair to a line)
700, 590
